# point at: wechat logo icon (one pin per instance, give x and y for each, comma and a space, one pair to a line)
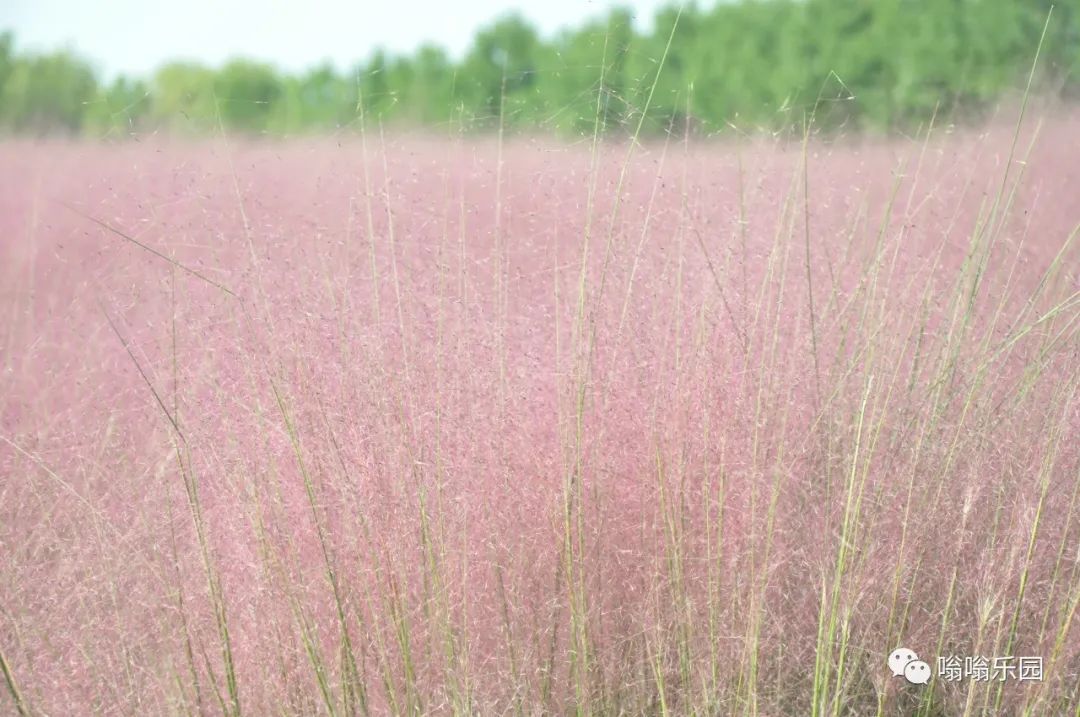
905, 662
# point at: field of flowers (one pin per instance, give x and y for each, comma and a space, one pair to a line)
407, 425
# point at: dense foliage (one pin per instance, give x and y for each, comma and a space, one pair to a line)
757, 63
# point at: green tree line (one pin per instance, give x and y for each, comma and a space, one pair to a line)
863, 64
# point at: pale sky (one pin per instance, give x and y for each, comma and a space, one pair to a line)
136, 36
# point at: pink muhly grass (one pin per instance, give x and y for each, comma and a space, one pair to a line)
425, 460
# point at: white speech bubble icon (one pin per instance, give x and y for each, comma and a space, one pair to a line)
917, 672
899, 659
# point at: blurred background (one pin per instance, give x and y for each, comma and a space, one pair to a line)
565, 67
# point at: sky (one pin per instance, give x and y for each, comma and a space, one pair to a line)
134, 37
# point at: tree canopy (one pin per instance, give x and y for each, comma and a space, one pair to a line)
860, 64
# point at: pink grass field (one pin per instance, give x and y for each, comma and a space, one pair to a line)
468, 426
